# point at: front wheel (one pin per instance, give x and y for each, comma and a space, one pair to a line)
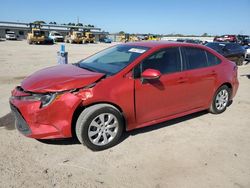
220, 100
99, 127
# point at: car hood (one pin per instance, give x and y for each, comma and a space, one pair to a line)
59, 78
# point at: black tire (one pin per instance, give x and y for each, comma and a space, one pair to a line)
90, 114
213, 107
240, 61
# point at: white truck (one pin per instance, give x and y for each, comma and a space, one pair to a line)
10, 35
56, 36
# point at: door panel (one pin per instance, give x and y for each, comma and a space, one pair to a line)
200, 86
160, 98
201, 77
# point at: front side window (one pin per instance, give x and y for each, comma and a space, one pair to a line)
112, 60
57, 34
196, 58
166, 61
79, 34
37, 33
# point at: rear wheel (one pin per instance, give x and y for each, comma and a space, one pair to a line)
220, 100
99, 127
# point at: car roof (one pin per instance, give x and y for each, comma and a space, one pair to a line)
224, 43
162, 44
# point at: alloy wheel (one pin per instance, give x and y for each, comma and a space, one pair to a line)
221, 99
103, 129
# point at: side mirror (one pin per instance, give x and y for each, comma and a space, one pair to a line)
150, 74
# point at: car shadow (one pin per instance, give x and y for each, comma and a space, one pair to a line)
247, 62
63, 141
172, 122
247, 75
8, 121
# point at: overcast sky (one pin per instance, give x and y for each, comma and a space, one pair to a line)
138, 16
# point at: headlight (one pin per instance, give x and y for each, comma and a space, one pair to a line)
45, 99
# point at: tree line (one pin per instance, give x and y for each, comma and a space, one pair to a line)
55, 23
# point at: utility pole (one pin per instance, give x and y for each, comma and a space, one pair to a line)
77, 19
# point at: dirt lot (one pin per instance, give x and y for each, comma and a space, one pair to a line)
199, 150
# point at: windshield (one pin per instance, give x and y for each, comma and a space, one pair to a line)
112, 60
37, 33
79, 34
216, 46
91, 35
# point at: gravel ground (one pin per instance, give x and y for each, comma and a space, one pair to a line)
198, 150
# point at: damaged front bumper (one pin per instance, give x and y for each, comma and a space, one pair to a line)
35, 120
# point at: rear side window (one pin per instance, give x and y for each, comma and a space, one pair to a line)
166, 61
195, 58
212, 59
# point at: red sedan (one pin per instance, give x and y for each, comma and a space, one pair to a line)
124, 87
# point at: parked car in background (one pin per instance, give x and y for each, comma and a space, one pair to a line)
125, 87
219, 39
180, 40
48, 40
232, 51
105, 40
247, 57
225, 38
56, 36
194, 41
244, 40
10, 35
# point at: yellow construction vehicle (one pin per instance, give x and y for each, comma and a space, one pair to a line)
74, 37
123, 37
151, 37
89, 37
133, 38
36, 36
128, 38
